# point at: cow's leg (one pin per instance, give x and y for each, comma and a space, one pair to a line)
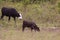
9, 18
2, 17
15, 21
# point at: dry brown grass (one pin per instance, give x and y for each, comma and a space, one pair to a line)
44, 34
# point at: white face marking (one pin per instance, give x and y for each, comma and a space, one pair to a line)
20, 16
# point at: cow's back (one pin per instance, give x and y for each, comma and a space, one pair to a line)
9, 12
4, 10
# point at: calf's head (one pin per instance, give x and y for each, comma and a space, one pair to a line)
36, 28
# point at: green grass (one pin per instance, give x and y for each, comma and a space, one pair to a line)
43, 14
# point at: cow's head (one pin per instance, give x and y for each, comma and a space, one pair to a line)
20, 17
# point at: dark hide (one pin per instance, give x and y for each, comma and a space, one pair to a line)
9, 12
31, 25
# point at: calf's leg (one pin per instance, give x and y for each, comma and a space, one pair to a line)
32, 28
23, 27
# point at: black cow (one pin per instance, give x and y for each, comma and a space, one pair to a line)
10, 12
31, 25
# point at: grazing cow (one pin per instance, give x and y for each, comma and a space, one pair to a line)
10, 12
31, 25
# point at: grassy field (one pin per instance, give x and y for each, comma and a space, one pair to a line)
45, 15
44, 34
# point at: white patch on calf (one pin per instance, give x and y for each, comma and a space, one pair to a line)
20, 16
